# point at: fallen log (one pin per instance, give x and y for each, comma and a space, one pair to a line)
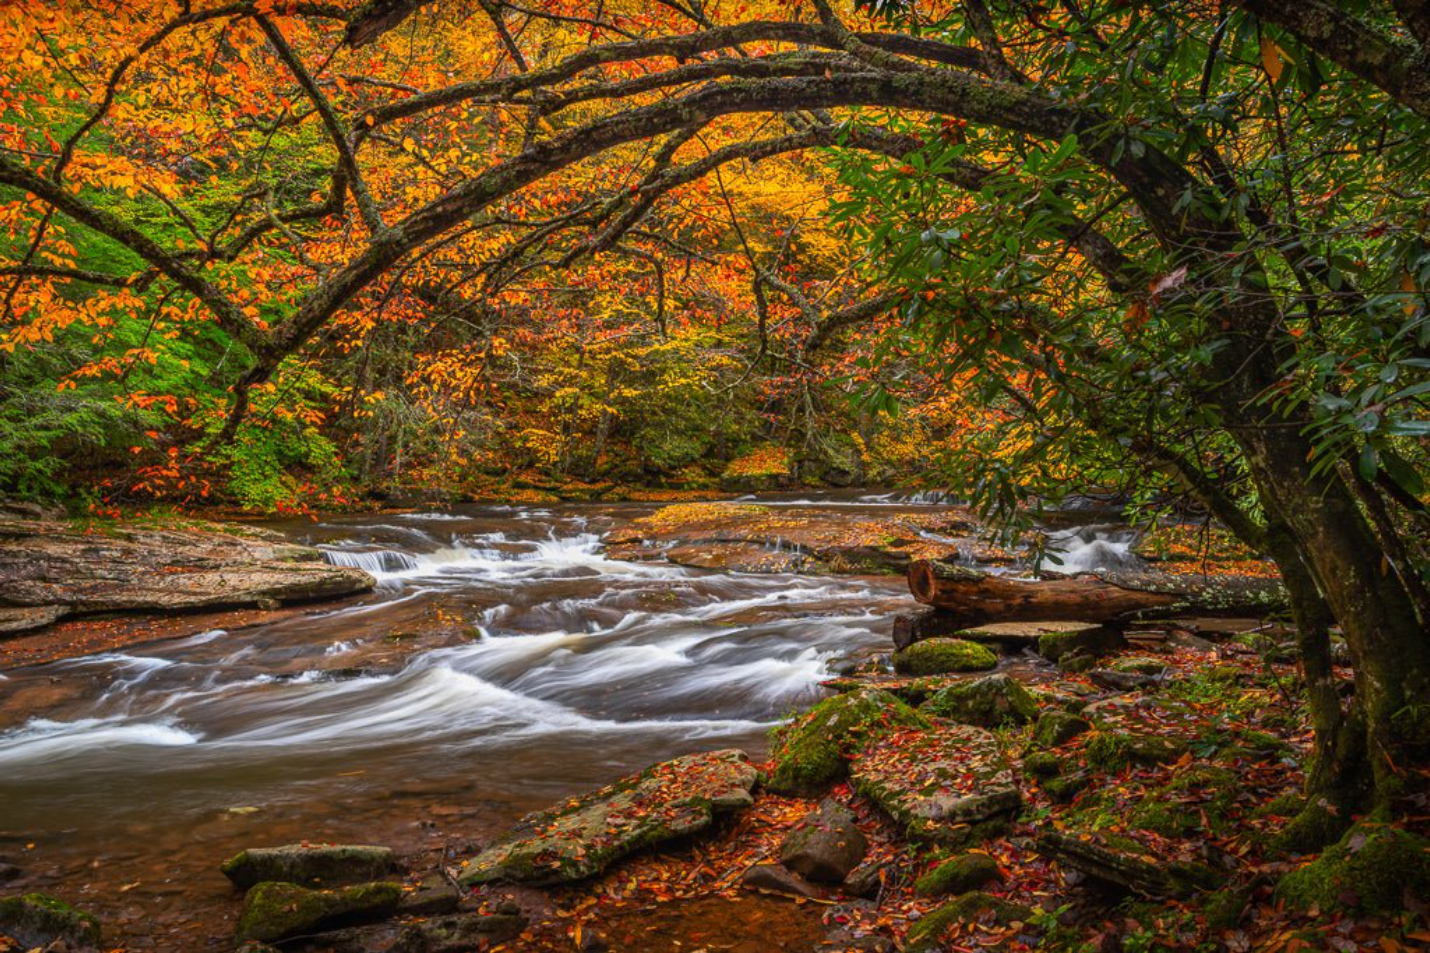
968, 597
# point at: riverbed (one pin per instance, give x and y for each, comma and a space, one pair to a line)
503, 662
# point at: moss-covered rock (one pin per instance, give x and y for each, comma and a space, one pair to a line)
1077, 663
945, 785
583, 836
1140, 665
988, 702
1094, 642
1065, 788
1127, 862
1043, 764
274, 911
37, 919
1374, 868
1115, 750
1223, 909
1057, 728
318, 865
959, 875
1193, 801
925, 935
941, 656
811, 752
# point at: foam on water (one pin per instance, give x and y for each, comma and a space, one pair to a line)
1091, 548
44, 743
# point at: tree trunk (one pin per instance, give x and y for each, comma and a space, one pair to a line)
971, 597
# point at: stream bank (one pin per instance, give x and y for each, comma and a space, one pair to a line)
505, 663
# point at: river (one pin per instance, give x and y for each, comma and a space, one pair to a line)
502, 663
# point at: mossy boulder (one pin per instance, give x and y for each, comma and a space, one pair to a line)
959, 875
988, 702
926, 935
1043, 764
1373, 869
37, 920
950, 785
1085, 641
1056, 728
942, 656
1065, 788
327, 865
583, 836
275, 911
1077, 663
1115, 750
811, 752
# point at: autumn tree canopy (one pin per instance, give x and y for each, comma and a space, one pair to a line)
1175, 249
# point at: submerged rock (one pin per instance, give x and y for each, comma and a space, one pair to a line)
811, 752
37, 920
463, 932
275, 911
582, 837
777, 879
939, 784
1125, 862
826, 845
987, 702
941, 656
309, 865
49, 570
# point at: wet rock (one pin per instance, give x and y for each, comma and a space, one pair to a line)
826, 845
777, 879
276, 911
1125, 862
940, 784
867, 879
14, 619
988, 702
959, 875
52, 570
37, 920
586, 834
326, 865
461, 933
810, 753
434, 894
926, 935
1086, 640
941, 656
1077, 663
1056, 728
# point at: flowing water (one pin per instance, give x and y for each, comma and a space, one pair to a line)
502, 663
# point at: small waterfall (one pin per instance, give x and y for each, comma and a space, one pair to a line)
1090, 548
377, 562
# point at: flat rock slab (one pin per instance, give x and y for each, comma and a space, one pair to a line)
50, 569
1022, 633
1127, 863
583, 836
309, 865
938, 782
